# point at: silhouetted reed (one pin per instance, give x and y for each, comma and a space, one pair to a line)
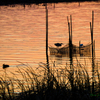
34, 83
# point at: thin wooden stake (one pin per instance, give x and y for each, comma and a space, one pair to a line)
70, 38
47, 38
94, 50
79, 47
24, 6
71, 27
54, 5
79, 4
93, 65
67, 19
71, 54
69, 32
47, 59
70, 48
92, 20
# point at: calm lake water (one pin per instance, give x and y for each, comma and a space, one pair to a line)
23, 31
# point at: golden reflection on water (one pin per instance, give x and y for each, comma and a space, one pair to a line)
23, 32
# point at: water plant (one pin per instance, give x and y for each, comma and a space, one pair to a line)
33, 84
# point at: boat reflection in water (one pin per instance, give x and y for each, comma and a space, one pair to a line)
56, 61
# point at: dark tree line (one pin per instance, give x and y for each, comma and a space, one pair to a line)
8, 2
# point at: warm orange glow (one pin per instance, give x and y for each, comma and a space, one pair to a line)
22, 32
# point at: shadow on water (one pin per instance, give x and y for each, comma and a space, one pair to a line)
56, 60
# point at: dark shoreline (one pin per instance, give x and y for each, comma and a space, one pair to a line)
12, 2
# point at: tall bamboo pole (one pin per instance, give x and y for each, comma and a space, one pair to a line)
47, 59
93, 65
71, 27
79, 4
24, 6
69, 34
71, 53
70, 48
79, 47
94, 50
54, 5
67, 19
70, 38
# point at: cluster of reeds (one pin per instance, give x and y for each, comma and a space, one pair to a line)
39, 86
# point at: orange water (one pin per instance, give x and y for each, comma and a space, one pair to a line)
23, 31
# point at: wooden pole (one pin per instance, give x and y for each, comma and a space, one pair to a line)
70, 39
71, 26
79, 4
94, 51
93, 65
47, 38
5, 74
24, 6
47, 59
69, 34
71, 53
79, 47
54, 5
71, 46
67, 20
70, 49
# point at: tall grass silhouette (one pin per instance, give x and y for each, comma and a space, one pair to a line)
34, 83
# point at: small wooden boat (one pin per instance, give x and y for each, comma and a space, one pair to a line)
82, 50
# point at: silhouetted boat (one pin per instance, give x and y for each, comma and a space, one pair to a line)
81, 50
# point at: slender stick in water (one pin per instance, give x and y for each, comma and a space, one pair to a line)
47, 60
47, 37
54, 5
79, 47
70, 48
91, 29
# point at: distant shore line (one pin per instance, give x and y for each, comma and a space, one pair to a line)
12, 2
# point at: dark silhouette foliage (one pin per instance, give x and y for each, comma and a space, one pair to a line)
9, 2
